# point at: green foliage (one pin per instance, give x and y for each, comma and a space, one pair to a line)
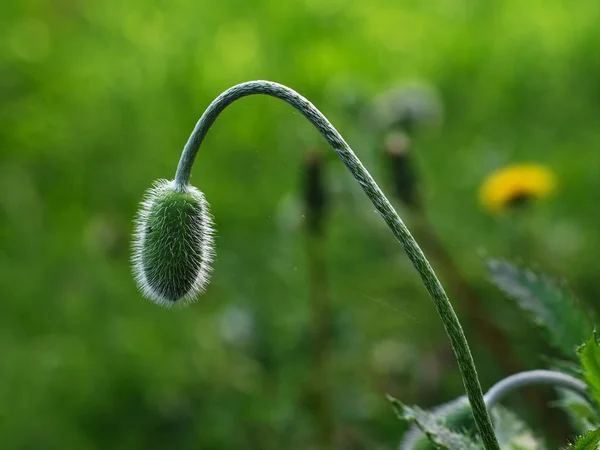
589, 354
435, 428
456, 417
582, 414
550, 305
571, 367
512, 432
97, 98
589, 441
546, 302
565, 322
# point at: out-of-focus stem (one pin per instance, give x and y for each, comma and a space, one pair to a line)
533, 378
321, 323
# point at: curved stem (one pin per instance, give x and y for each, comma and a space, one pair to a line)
534, 377
383, 207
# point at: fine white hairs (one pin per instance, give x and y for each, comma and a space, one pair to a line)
173, 245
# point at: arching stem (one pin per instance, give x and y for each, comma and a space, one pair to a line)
383, 207
534, 377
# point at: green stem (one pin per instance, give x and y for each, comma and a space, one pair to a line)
383, 207
533, 378
315, 209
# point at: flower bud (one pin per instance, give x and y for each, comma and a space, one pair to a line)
173, 244
402, 168
409, 107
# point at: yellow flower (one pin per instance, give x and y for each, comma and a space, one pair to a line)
515, 184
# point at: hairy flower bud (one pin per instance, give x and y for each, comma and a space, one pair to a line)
173, 244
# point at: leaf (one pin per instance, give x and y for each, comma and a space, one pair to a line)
456, 415
560, 365
551, 306
512, 432
582, 415
589, 441
589, 354
435, 428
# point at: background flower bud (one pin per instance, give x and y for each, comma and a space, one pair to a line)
397, 148
173, 244
409, 107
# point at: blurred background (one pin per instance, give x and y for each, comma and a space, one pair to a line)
314, 312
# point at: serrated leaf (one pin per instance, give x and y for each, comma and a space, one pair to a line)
550, 305
589, 355
589, 441
582, 415
512, 432
569, 367
456, 414
435, 428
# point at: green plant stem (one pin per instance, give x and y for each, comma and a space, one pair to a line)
474, 311
319, 389
491, 335
383, 207
533, 377
320, 386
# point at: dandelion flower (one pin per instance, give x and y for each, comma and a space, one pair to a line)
515, 185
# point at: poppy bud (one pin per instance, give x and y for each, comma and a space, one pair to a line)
173, 244
402, 168
409, 107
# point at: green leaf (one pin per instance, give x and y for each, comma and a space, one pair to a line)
582, 415
435, 428
551, 306
560, 365
589, 354
456, 415
512, 432
589, 441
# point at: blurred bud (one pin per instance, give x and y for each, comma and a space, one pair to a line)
405, 176
408, 107
173, 244
315, 197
